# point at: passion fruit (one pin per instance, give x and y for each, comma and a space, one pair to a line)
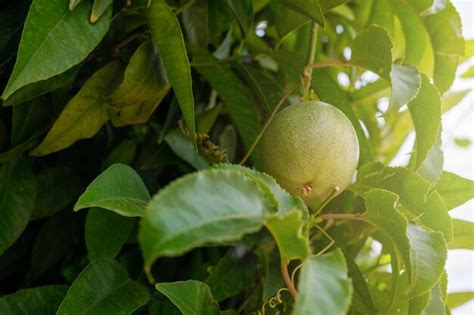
312, 151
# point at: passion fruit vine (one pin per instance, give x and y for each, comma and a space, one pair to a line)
312, 151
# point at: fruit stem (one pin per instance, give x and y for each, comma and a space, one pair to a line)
342, 216
286, 278
259, 136
308, 71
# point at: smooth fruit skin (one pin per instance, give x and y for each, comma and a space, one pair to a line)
310, 148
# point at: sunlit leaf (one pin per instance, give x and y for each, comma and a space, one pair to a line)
463, 237
323, 286
98, 8
454, 189
457, 299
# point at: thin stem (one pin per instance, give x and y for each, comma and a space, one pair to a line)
325, 202
308, 71
275, 110
327, 64
342, 216
287, 279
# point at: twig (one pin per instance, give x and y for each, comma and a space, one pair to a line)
287, 279
327, 64
275, 110
342, 216
308, 71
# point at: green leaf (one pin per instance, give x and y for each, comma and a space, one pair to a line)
419, 201
382, 213
205, 120
323, 286
73, 4
236, 270
428, 255
309, 8
32, 301
444, 28
463, 237
54, 40
457, 299
437, 302
406, 82
104, 287
371, 49
191, 297
143, 87
183, 147
39, 88
290, 234
84, 114
208, 206
119, 189
105, 233
236, 96
454, 189
329, 91
432, 167
29, 121
17, 200
243, 11
425, 110
98, 8
195, 21
50, 181
167, 36
123, 153
469, 73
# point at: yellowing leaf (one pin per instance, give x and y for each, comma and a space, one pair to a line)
84, 114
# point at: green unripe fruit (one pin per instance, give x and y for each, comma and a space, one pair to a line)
312, 150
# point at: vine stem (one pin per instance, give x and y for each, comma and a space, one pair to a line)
342, 216
286, 278
308, 71
259, 136
326, 64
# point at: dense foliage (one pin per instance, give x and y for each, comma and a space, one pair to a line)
137, 115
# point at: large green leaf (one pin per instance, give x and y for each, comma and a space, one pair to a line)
54, 40
419, 201
84, 114
105, 233
329, 91
237, 98
425, 110
323, 286
428, 255
406, 82
290, 234
143, 87
382, 213
167, 36
209, 206
463, 237
191, 297
103, 287
444, 29
236, 270
32, 301
17, 200
371, 49
327, 5
119, 189
454, 189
